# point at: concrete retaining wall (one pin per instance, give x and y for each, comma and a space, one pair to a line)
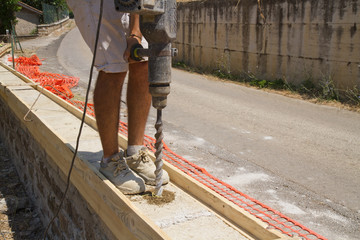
296, 40
45, 184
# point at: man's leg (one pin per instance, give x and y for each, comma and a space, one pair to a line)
107, 96
138, 102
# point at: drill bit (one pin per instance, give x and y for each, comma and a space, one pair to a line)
158, 154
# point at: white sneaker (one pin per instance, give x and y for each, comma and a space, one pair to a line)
142, 164
117, 171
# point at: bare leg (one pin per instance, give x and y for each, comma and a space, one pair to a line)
138, 102
107, 96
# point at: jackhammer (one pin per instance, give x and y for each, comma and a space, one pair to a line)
158, 26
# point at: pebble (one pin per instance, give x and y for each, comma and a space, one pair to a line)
3, 206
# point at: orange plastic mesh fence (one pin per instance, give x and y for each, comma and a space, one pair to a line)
53, 82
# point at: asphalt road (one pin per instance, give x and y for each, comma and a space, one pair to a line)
299, 158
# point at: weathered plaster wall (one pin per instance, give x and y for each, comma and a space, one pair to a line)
45, 184
298, 40
27, 22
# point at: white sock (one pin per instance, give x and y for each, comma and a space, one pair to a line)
133, 149
107, 160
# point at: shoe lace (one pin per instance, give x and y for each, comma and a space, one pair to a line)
120, 165
142, 156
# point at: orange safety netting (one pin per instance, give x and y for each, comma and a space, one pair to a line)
54, 82
61, 84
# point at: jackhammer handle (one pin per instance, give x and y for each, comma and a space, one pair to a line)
137, 52
134, 52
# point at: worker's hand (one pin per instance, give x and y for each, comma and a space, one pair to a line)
131, 41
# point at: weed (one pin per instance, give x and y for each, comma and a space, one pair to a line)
329, 91
34, 31
180, 64
307, 88
353, 95
308, 85
224, 75
278, 84
258, 83
222, 69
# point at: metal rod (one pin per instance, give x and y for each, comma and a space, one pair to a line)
158, 154
12, 48
143, 52
16, 39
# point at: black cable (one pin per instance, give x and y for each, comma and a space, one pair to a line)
82, 122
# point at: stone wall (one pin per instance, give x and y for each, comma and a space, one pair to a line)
46, 29
45, 184
298, 40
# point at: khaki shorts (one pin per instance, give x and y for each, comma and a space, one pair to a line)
113, 31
